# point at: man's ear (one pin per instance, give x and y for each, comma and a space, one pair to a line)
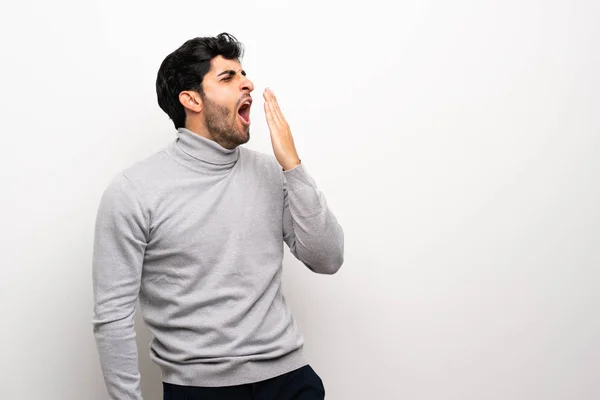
191, 100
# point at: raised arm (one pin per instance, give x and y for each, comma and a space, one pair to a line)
309, 227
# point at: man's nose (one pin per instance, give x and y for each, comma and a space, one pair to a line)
247, 84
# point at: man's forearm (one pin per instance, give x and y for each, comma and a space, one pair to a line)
311, 229
118, 354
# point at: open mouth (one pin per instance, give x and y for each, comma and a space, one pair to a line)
244, 111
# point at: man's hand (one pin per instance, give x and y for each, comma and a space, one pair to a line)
281, 136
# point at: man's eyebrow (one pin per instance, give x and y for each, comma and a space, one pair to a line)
231, 72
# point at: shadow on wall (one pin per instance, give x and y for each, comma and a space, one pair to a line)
151, 376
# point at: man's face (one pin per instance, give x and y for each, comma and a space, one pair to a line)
226, 102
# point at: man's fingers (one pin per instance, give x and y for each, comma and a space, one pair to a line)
268, 114
271, 108
270, 100
276, 108
272, 121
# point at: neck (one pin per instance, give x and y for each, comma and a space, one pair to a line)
199, 128
205, 149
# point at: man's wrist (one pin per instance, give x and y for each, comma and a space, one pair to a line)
287, 166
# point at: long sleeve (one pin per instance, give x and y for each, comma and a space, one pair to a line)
119, 244
310, 229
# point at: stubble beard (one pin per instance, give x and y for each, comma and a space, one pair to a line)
222, 126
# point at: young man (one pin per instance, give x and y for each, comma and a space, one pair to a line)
197, 232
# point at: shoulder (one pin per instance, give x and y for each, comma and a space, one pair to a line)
148, 169
261, 162
132, 182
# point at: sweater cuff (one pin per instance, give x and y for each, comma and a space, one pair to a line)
298, 178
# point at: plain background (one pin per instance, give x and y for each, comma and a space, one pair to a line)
456, 142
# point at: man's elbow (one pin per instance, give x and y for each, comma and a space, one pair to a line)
336, 259
335, 264
329, 266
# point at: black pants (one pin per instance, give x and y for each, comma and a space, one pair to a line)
301, 384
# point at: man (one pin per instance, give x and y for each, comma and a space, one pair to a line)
196, 232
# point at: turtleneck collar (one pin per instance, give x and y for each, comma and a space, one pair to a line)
204, 149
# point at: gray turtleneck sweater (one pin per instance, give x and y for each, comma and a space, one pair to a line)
196, 232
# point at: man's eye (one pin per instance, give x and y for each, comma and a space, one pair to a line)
227, 79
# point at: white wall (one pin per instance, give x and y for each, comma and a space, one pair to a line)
457, 142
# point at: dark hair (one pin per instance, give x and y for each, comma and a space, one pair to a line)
185, 68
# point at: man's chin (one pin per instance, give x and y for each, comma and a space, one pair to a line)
245, 135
